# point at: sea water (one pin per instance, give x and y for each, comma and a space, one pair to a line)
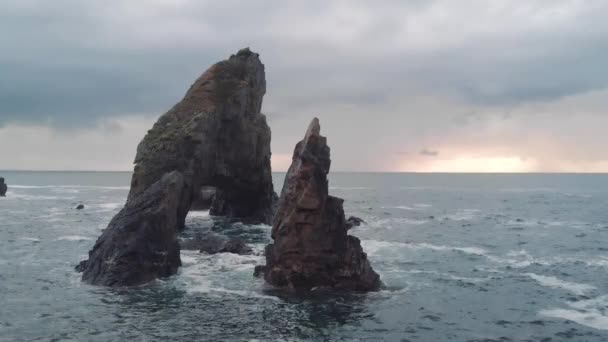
464, 257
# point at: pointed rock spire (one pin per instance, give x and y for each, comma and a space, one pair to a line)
311, 246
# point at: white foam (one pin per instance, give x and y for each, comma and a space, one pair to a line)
450, 276
402, 207
467, 250
390, 223
110, 206
198, 214
65, 191
594, 318
198, 270
468, 279
556, 283
72, 238
464, 215
373, 246
601, 261
29, 239
539, 189
12, 195
590, 313
407, 207
517, 259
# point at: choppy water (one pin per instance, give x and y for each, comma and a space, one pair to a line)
464, 258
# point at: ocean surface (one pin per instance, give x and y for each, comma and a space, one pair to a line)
465, 257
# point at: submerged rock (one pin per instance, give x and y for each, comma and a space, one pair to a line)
215, 136
212, 244
3, 187
311, 246
236, 246
140, 243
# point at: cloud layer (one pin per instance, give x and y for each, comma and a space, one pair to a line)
517, 84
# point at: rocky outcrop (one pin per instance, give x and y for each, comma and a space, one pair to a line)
354, 221
140, 243
215, 136
212, 244
311, 248
3, 187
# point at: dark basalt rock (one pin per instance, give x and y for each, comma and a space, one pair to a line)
354, 221
140, 243
236, 246
215, 136
311, 246
212, 244
3, 187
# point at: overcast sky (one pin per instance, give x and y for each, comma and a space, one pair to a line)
419, 85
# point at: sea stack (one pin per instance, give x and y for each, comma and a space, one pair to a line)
3, 187
312, 249
140, 242
217, 137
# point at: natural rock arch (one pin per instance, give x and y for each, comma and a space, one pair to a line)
215, 136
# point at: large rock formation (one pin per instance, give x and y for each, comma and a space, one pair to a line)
311, 246
214, 137
3, 187
140, 243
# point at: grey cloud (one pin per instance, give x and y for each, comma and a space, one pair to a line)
429, 153
72, 62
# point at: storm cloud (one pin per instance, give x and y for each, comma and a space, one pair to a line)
472, 78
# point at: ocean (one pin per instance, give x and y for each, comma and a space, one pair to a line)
464, 257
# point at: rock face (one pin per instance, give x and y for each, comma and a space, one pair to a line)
214, 137
311, 246
354, 221
140, 243
3, 187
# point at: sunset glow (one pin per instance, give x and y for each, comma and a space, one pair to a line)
470, 164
